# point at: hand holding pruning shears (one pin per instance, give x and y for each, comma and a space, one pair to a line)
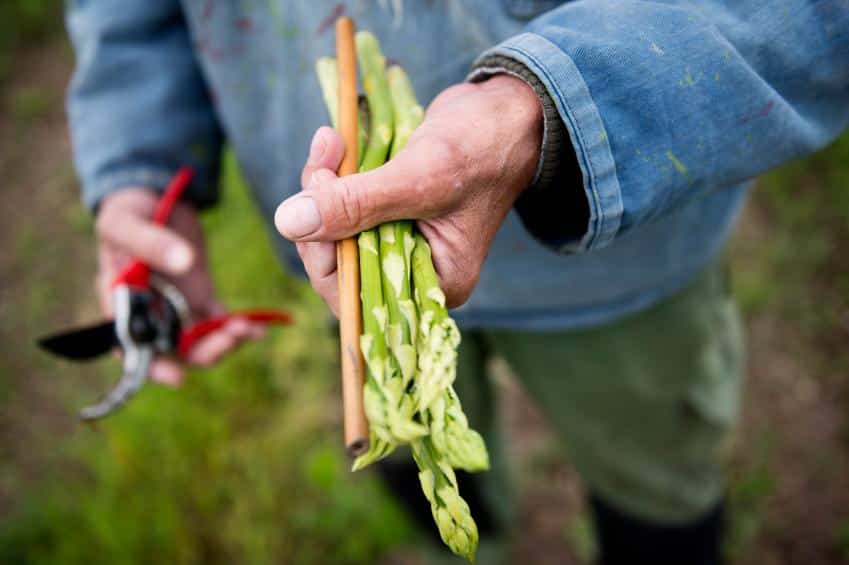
157, 324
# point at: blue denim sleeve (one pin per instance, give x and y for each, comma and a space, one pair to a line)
667, 101
138, 106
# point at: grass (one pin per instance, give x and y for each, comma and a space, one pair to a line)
242, 464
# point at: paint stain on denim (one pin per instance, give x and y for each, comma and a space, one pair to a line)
679, 166
689, 79
761, 112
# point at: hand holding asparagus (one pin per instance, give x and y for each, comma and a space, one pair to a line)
409, 341
458, 177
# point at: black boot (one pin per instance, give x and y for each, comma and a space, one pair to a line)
626, 540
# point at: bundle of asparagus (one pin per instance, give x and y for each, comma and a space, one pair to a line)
409, 340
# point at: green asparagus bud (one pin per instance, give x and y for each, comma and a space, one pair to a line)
451, 435
390, 412
439, 336
406, 110
375, 397
453, 518
402, 315
396, 287
328, 79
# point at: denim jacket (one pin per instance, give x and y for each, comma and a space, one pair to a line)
670, 106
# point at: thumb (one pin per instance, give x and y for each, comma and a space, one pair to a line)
411, 186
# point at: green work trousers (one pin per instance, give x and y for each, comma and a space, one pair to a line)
644, 406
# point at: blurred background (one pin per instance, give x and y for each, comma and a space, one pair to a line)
244, 463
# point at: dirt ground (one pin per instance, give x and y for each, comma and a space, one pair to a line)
790, 489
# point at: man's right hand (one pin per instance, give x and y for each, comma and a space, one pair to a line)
125, 231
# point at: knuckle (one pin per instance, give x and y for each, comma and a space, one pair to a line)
351, 203
449, 151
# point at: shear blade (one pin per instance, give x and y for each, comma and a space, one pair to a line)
82, 343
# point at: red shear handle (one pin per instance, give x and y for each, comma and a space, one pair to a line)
137, 273
172, 194
190, 337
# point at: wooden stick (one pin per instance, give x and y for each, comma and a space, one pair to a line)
350, 320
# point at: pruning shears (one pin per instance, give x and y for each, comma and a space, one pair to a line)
151, 318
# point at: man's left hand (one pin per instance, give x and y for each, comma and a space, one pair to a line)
459, 175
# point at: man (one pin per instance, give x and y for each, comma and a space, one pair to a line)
577, 174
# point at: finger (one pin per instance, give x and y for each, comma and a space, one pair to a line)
255, 331
166, 372
109, 260
319, 259
163, 249
243, 329
211, 348
420, 182
328, 289
326, 152
103, 284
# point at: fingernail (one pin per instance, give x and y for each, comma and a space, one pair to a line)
317, 147
178, 258
298, 217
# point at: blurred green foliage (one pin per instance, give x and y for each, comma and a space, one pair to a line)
802, 275
29, 104
243, 464
25, 20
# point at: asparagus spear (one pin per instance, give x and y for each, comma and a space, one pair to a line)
437, 368
451, 435
372, 64
450, 512
452, 443
407, 116
328, 79
439, 336
372, 342
407, 112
